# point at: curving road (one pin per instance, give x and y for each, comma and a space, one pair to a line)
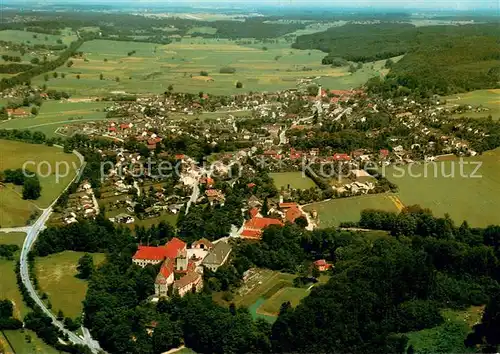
31, 235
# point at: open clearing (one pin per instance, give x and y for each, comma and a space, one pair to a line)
54, 114
464, 198
332, 212
8, 287
8, 283
153, 67
273, 304
14, 211
292, 180
12, 238
26, 37
21, 346
487, 98
264, 291
449, 336
57, 277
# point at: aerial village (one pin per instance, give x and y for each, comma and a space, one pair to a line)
209, 142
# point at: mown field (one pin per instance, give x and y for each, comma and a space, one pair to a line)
57, 277
12, 238
8, 284
54, 114
264, 291
487, 98
273, 304
14, 211
153, 67
32, 38
464, 198
26, 342
291, 179
331, 213
449, 336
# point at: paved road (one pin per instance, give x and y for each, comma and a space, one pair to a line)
31, 236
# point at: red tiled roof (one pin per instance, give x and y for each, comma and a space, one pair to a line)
262, 223
384, 152
254, 212
321, 262
150, 253
179, 156
251, 185
292, 214
174, 246
341, 157
167, 268
251, 234
288, 205
124, 126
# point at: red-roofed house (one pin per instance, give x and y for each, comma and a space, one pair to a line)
17, 112
254, 227
384, 153
251, 185
341, 157
322, 265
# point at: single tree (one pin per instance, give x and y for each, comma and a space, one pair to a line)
239, 84
85, 266
31, 188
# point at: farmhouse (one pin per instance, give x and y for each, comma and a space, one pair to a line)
322, 265
17, 113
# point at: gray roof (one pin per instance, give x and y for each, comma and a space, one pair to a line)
218, 253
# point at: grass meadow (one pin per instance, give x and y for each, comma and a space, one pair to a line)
487, 98
57, 277
153, 67
54, 114
272, 305
14, 211
332, 212
20, 344
8, 284
463, 198
293, 179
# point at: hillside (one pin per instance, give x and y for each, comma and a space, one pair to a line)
439, 59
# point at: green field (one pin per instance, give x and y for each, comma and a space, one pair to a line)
293, 179
473, 199
12, 238
56, 277
487, 98
153, 67
331, 213
449, 336
54, 114
273, 304
26, 37
21, 346
14, 211
9, 289
8, 284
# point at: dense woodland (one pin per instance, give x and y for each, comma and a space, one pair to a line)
401, 282
439, 59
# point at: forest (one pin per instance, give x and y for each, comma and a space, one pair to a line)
380, 288
438, 59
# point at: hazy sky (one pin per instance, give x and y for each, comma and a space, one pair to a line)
413, 4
